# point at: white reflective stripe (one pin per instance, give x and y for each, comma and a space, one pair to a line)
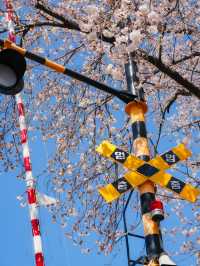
11, 26
30, 182
37, 243
33, 210
22, 122
29, 176
18, 98
26, 150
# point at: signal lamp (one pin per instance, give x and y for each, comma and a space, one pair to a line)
12, 69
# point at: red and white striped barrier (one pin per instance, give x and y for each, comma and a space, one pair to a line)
30, 182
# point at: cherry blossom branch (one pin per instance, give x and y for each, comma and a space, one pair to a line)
186, 58
71, 25
151, 59
193, 123
173, 74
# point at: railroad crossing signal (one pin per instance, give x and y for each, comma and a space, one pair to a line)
142, 171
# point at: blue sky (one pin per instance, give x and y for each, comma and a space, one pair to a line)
16, 237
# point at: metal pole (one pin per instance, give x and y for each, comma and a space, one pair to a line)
122, 95
136, 110
125, 228
30, 182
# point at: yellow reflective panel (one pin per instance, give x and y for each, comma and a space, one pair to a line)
109, 193
190, 193
182, 152
106, 148
135, 179
132, 162
161, 178
159, 163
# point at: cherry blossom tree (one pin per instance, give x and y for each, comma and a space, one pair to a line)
94, 38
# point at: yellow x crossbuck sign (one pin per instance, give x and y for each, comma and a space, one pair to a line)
142, 171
